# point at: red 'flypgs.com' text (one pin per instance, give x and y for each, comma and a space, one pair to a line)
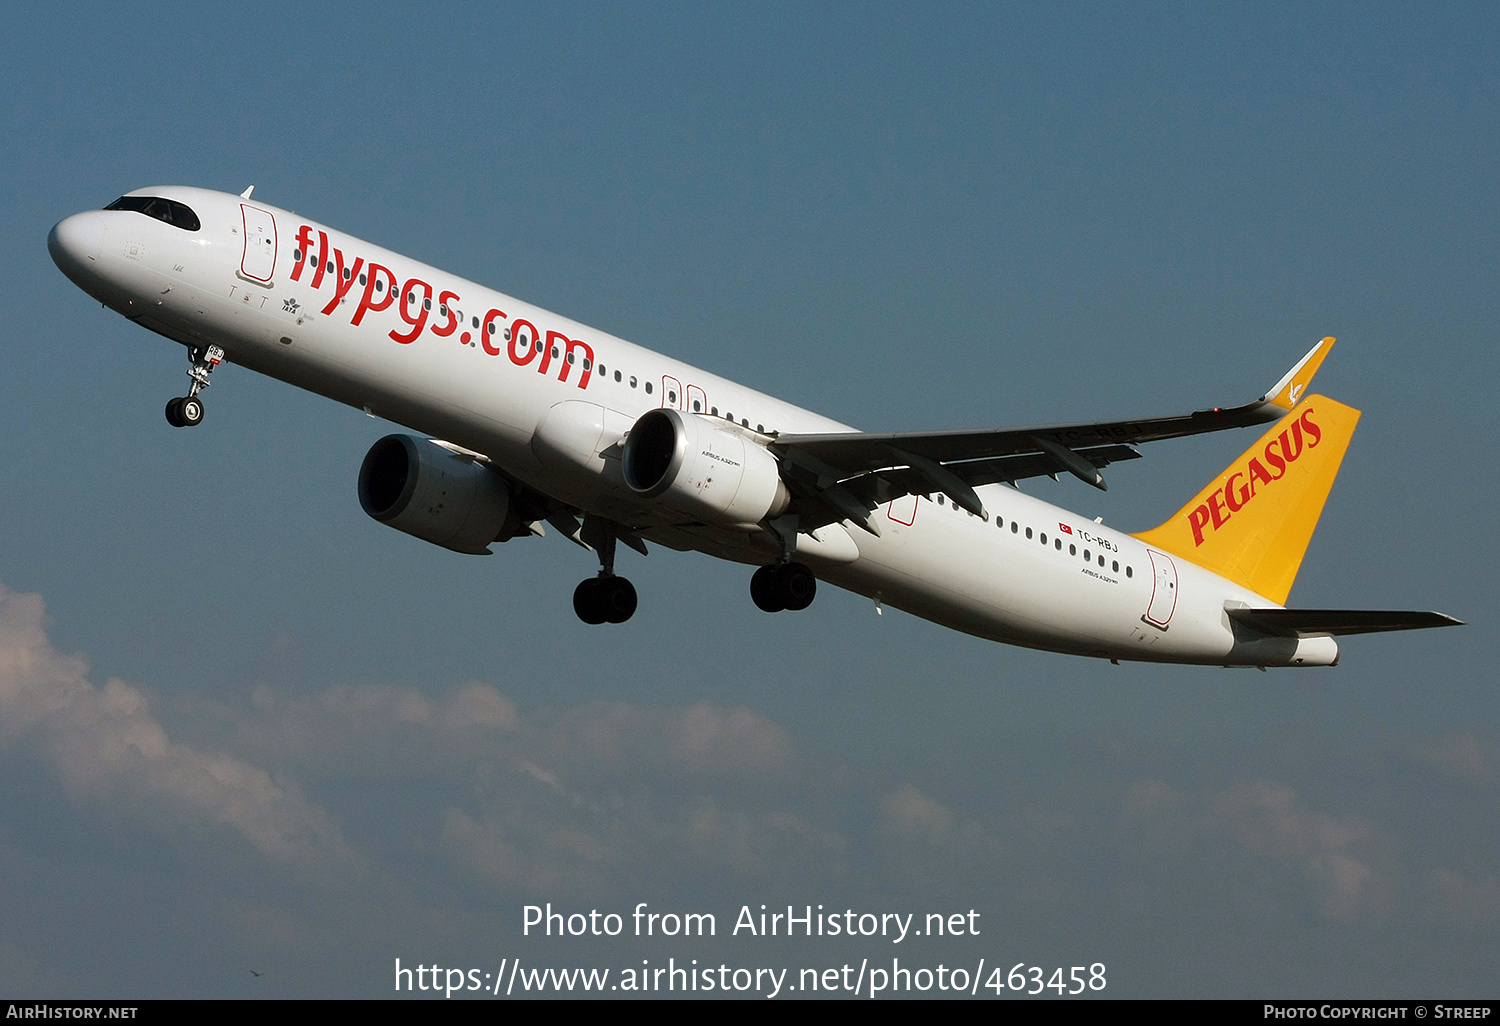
523, 340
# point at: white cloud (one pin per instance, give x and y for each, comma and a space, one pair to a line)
476, 799
601, 795
583, 797
105, 744
1346, 860
908, 812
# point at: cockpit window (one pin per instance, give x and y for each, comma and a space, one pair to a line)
179, 215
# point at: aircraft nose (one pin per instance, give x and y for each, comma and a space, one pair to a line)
74, 243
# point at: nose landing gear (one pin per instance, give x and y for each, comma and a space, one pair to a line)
188, 410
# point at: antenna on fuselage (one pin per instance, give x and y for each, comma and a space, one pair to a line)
247, 192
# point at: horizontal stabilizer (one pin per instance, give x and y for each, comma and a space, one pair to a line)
1303, 623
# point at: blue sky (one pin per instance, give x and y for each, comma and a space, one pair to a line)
905, 218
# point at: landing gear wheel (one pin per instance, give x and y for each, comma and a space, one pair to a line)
604, 600
588, 601
174, 416
190, 411
763, 590
619, 599
788, 586
796, 586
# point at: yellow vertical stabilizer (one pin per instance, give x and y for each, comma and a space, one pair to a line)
1253, 522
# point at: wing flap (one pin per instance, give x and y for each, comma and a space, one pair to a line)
879, 487
885, 485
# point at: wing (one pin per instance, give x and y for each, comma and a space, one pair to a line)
845, 475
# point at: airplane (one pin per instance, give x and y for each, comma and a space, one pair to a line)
529, 420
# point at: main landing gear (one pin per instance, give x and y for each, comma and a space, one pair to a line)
606, 598
788, 584
188, 410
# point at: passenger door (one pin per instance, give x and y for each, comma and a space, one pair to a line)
1163, 590
258, 261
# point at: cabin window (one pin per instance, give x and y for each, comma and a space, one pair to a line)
585, 361
178, 215
348, 273
1072, 550
1129, 572
1057, 544
632, 381
697, 406
491, 327
617, 375
380, 287
1115, 566
1014, 527
1101, 560
475, 322
648, 388
1044, 537
941, 501
362, 280
426, 303
1028, 532
1087, 558
761, 428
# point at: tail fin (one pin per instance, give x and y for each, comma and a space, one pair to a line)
1253, 522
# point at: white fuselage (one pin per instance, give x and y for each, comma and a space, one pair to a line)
547, 400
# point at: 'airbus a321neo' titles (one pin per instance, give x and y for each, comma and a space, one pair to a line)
530, 419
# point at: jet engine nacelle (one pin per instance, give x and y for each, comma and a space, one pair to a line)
708, 471
418, 486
